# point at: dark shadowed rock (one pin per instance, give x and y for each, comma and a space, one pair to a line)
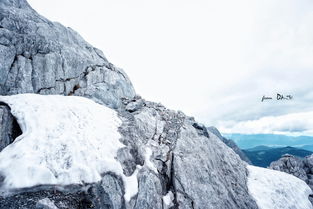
9, 128
47, 197
106, 194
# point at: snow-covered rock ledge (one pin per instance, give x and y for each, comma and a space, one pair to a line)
277, 190
65, 140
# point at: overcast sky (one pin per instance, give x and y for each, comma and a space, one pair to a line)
211, 59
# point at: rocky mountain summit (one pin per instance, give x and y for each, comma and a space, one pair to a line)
166, 159
39, 56
299, 167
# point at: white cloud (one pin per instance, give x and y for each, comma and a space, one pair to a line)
295, 124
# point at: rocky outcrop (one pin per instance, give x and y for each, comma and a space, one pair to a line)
40, 56
230, 143
299, 167
187, 160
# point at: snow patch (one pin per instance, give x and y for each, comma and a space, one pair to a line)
168, 200
65, 140
275, 190
46, 203
148, 163
131, 188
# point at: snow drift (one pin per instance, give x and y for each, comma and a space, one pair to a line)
276, 190
65, 140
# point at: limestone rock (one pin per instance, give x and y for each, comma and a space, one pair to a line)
186, 160
230, 143
44, 57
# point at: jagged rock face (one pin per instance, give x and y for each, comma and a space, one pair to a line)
39, 56
186, 160
230, 143
299, 167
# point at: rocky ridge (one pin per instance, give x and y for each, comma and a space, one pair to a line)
178, 146
180, 163
47, 58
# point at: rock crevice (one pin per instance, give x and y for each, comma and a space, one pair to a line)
9, 128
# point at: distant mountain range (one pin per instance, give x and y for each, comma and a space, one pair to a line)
263, 155
262, 149
306, 147
259, 148
246, 141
